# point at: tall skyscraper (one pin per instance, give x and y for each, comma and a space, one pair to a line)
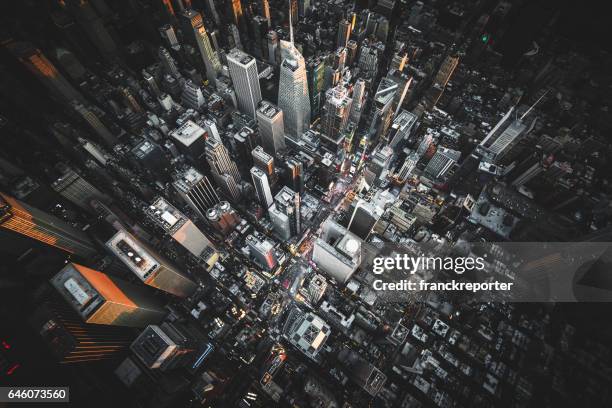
271, 127
168, 34
209, 56
263, 160
293, 97
316, 80
446, 70
344, 33
441, 162
23, 219
273, 53
265, 11
358, 101
195, 190
262, 187
168, 63
223, 169
181, 229
335, 112
192, 95
262, 251
150, 267
102, 299
164, 347
90, 117
35, 61
243, 71
382, 108
287, 203
76, 189
73, 341
505, 135
408, 167
295, 174
403, 82
401, 128
222, 217
337, 252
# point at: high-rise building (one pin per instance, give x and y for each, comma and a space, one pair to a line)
150, 267
399, 61
273, 53
293, 10
245, 141
293, 97
316, 288
165, 347
167, 32
76, 189
260, 27
382, 108
344, 33
505, 135
368, 60
408, 167
263, 160
335, 113
181, 229
358, 101
262, 187
36, 62
151, 83
196, 191
265, 11
337, 251
168, 63
441, 162
446, 70
315, 68
261, 251
103, 299
224, 170
403, 82
222, 217
92, 119
243, 71
209, 55
190, 139
73, 341
235, 36
287, 203
363, 217
351, 53
192, 95
527, 168
307, 332
381, 161
295, 175
271, 127
401, 128
23, 219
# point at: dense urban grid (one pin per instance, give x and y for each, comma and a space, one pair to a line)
190, 190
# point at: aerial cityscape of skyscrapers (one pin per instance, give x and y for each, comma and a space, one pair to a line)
194, 195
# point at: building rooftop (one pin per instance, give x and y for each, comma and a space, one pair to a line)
188, 133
